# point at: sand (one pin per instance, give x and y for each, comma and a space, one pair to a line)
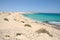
15, 26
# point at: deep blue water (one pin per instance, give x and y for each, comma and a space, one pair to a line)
50, 17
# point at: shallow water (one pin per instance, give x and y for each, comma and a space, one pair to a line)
45, 17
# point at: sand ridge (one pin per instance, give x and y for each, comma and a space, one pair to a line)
13, 23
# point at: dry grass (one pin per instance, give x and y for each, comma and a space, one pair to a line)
18, 34
15, 19
44, 31
6, 19
7, 36
27, 25
22, 21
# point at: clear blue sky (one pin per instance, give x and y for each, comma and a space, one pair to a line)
30, 5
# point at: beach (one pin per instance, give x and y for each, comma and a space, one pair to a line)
15, 26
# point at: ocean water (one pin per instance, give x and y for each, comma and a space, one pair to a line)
45, 17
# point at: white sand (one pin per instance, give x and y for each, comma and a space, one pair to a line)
15, 25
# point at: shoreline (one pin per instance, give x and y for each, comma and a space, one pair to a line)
45, 22
32, 20
26, 28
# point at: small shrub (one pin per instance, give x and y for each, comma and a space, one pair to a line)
7, 36
18, 34
27, 25
22, 21
44, 31
6, 19
15, 19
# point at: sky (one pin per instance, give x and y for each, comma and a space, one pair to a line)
50, 6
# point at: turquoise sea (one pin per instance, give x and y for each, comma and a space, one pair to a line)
45, 17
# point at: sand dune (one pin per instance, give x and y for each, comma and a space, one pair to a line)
15, 26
